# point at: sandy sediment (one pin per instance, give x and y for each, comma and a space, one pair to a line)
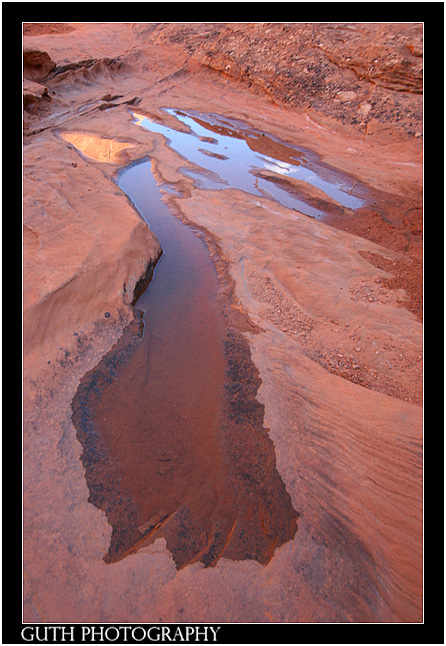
336, 307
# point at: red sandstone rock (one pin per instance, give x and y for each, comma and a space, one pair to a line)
33, 93
36, 64
346, 425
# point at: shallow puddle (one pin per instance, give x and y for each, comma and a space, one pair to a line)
172, 434
229, 154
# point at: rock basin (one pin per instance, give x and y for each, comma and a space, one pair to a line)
337, 304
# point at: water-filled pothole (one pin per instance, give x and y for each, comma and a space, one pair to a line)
172, 433
230, 154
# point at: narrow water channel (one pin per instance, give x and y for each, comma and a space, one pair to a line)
172, 434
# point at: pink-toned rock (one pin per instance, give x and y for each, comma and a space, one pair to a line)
36, 64
346, 425
85, 247
33, 93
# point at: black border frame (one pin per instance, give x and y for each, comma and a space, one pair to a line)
431, 631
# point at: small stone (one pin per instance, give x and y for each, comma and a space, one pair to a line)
358, 349
107, 315
347, 96
365, 108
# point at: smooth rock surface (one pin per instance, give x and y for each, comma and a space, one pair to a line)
341, 374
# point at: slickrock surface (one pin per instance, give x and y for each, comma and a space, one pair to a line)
336, 308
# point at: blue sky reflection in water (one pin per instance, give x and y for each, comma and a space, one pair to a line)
229, 156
